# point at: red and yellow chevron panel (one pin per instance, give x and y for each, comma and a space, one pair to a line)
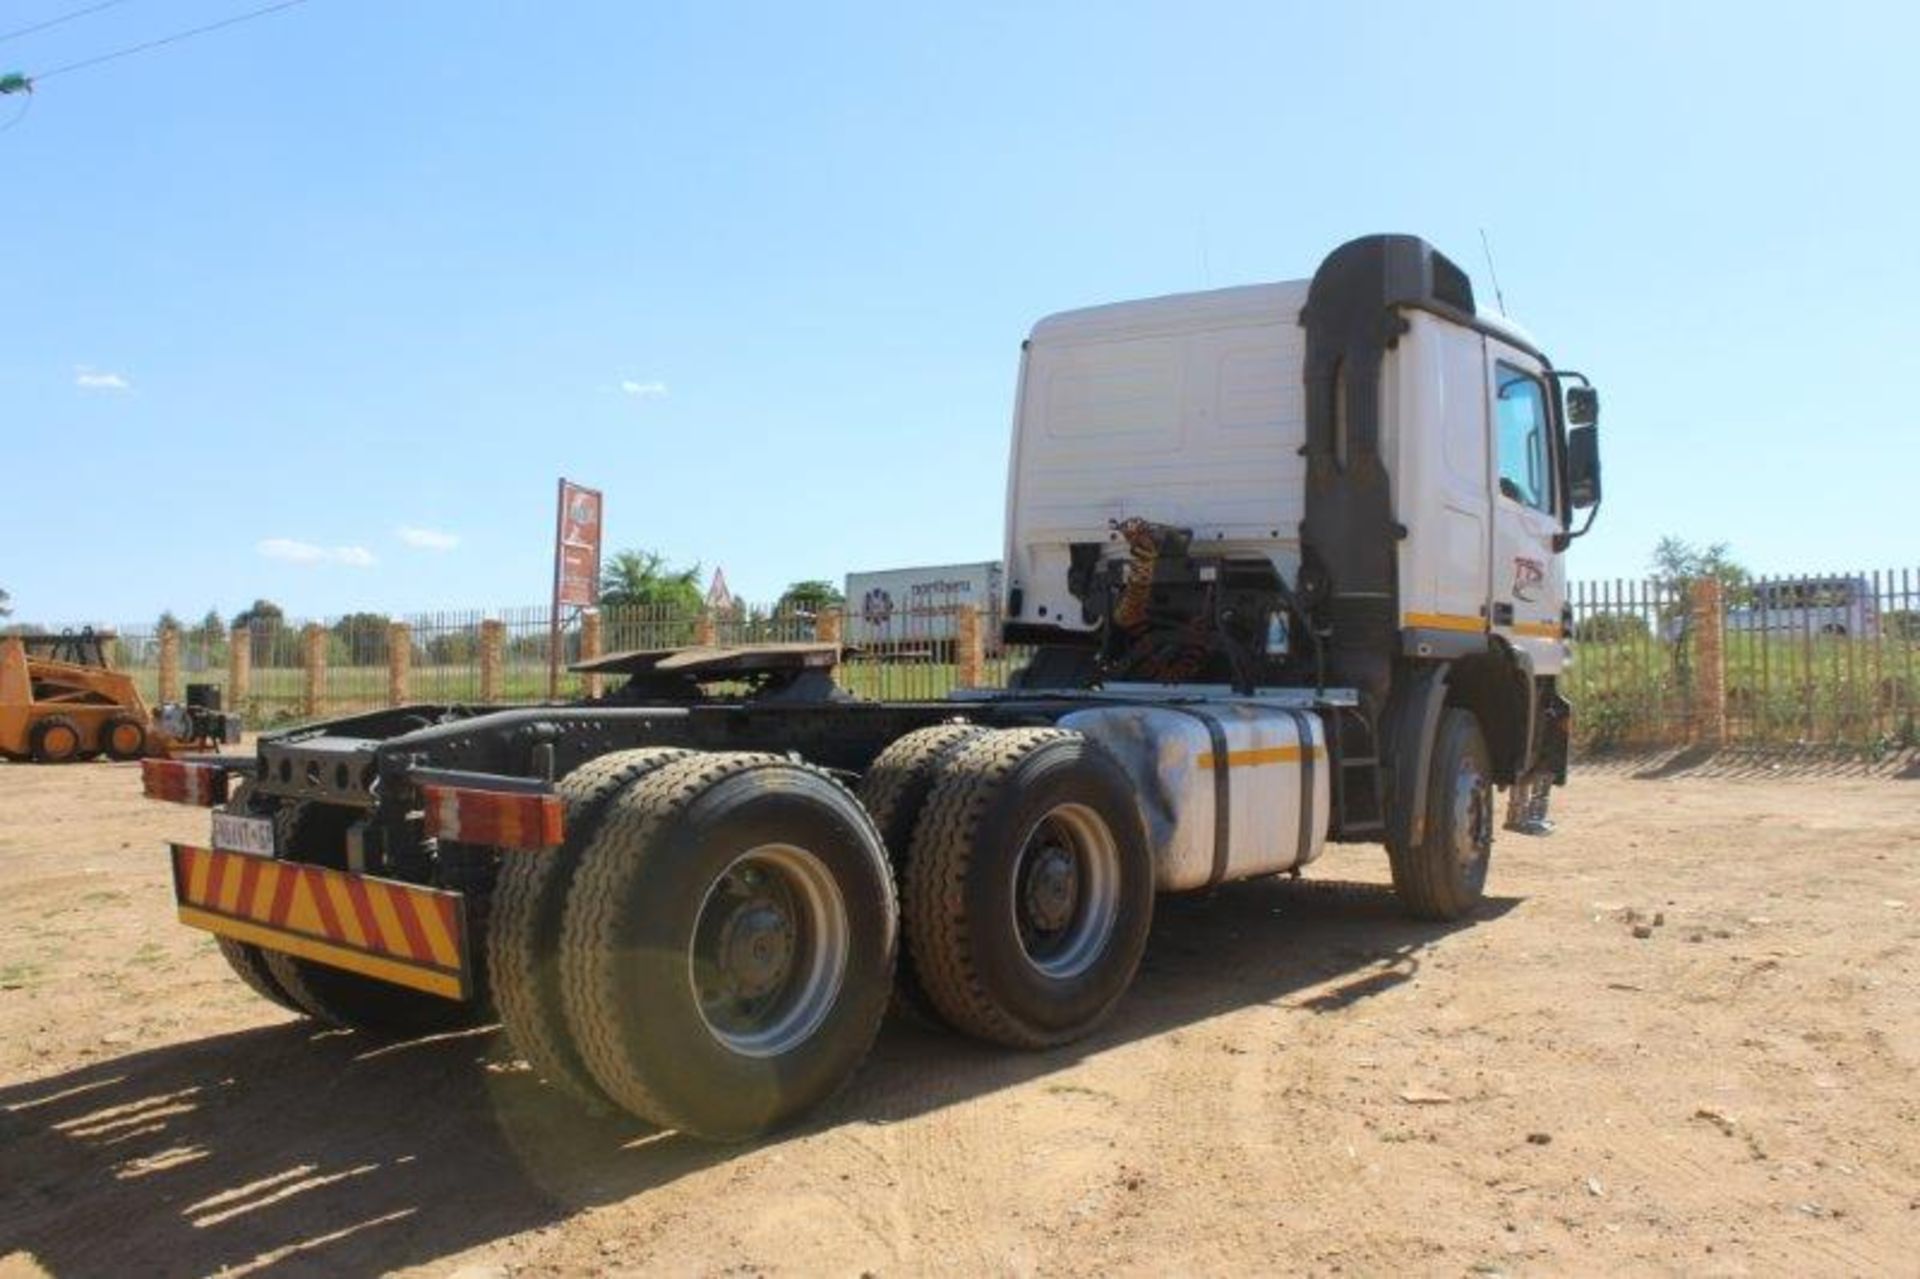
382, 928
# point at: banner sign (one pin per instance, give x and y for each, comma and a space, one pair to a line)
577, 555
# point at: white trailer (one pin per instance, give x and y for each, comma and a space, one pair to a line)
906, 608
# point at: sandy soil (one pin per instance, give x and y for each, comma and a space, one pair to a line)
1682, 1036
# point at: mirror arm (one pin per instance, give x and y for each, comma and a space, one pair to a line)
1562, 540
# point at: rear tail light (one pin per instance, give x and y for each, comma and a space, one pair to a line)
179, 782
497, 819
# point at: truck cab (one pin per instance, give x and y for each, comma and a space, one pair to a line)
1373, 478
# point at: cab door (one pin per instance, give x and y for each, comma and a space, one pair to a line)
1526, 578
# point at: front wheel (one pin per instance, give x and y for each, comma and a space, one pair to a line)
1443, 875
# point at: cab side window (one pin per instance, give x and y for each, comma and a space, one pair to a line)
1520, 426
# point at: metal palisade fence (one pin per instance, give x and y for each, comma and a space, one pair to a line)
1804, 660
1830, 659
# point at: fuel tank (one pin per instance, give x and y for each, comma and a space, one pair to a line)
1227, 790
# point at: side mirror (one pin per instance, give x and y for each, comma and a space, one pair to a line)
1583, 406
1583, 458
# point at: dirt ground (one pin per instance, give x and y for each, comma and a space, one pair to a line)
1683, 1035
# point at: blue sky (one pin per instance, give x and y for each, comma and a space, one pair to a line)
317, 307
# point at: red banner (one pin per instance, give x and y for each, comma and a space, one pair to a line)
577, 553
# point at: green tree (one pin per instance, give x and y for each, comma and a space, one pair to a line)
263, 620
167, 622
360, 639
262, 615
454, 647
212, 629
810, 597
5, 611
1677, 564
644, 578
1901, 623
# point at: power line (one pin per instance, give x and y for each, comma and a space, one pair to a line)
175, 38
65, 17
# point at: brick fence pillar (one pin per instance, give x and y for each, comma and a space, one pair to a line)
239, 666
1709, 663
314, 662
590, 642
169, 663
826, 626
399, 663
493, 647
703, 630
969, 657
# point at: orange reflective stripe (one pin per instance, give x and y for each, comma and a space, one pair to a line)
1445, 622
249, 883
363, 911
346, 924
1256, 755
199, 865
410, 923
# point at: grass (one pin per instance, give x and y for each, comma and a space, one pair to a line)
1825, 689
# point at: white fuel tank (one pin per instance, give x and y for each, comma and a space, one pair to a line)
1228, 790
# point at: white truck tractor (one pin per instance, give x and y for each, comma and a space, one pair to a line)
1288, 559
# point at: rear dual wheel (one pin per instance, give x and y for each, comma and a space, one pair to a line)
894, 790
529, 904
1028, 891
727, 944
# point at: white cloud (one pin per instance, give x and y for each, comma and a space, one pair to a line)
94, 380
427, 539
643, 390
289, 551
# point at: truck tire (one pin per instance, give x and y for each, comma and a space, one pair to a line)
54, 739
123, 737
249, 963
728, 946
315, 834
523, 935
894, 791
1029, 888
355, 1002
1444, 874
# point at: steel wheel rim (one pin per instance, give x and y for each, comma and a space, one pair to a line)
769, 950
1066, 891
1472, 813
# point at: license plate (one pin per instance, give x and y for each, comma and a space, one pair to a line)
236, 834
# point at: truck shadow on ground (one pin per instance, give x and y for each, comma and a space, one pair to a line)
286, 1149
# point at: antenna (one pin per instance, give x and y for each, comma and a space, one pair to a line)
1492, 274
